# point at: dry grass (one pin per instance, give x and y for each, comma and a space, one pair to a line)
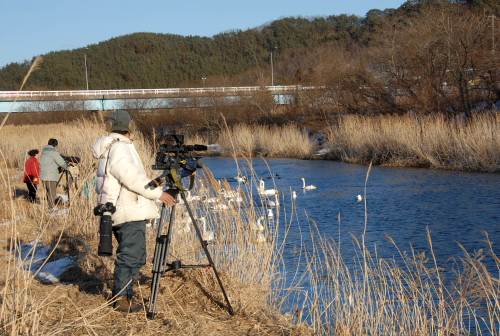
424, 141
271, 141
189, 301
408, 295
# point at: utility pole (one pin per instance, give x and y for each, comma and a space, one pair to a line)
493, 17
86, 74
272, 67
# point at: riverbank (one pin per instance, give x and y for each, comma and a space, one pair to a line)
430, 141
340, 300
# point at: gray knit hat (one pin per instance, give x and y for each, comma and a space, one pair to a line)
120, 120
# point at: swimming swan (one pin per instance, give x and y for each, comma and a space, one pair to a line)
206, 235
309, 187
262, 189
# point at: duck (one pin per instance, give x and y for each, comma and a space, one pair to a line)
240, 178
309, 187
294, 194
265, 192
360, 198
206, 235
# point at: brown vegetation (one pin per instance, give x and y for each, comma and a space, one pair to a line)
404, 297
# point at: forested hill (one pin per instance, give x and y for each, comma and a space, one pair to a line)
150, 60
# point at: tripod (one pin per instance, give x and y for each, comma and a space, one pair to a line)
69, 180
160, 264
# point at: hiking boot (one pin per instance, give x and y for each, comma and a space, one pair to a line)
126, 305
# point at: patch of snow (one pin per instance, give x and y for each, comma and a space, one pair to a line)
53, 270
33, 255
60, 213
9, 222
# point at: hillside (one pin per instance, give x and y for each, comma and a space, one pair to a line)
425, 56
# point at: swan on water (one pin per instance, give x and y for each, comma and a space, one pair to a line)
263, 191
257, 226
184, 224
207, 235
309, 187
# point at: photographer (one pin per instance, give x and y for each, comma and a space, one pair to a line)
32, 174
50, 162
122, 180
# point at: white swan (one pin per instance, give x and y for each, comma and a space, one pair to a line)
222, 206
309, 187
263, 191
257, 226
260, 238
207, 235
184, 225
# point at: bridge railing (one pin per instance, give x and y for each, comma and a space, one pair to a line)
136, 92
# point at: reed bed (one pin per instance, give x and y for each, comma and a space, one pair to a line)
270, 141
425, 141
189, 301
405, 295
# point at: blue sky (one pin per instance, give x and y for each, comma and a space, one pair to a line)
35, 27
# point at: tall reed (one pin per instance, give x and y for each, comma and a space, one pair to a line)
369, 295
429, 141
247, 267
272, 141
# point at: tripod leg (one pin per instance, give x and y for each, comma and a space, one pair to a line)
68, 184
160, 259
207, 253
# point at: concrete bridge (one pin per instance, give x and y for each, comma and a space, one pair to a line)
37, 101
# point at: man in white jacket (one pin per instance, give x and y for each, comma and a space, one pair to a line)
122, 180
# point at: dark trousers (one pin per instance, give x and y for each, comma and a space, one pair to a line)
130, 256
31, 191
50, 187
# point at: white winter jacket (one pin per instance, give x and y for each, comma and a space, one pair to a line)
122, 180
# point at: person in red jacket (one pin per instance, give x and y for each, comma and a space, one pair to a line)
32, 174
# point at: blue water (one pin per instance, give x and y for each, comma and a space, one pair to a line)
401, 202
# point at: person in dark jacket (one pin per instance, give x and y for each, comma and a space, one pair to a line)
50, 161
32, 174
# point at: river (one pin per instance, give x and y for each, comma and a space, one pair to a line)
457, 207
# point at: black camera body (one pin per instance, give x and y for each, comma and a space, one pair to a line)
176, 162
69, 159
105, 228
175, 156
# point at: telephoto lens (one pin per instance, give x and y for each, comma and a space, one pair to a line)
105, 248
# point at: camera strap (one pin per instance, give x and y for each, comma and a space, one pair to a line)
107, 150
177, 180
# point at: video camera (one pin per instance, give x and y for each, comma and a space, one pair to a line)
175, 160
69, 159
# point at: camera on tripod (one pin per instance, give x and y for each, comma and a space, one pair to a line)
105, 228
176, 163
175, 160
